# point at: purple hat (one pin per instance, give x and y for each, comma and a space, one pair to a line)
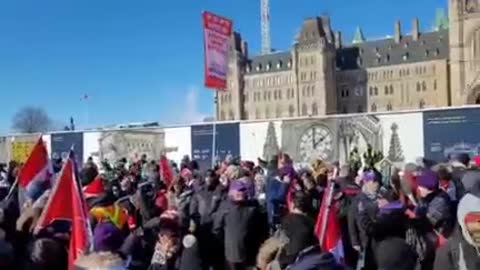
427, 179
369, 176
107, 237
287, 170
238, 185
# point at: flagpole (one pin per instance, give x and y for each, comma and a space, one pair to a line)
214, 129
331, 186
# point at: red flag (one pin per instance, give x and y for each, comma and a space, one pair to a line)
65, 203
166, 171
95, 188
332, 234
36, 166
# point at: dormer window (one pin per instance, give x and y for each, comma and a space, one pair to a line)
427, 52
269, 65
289, 64
248, 68
406, 44
387, 58
259, 67
405, 56
437, 52
279, 64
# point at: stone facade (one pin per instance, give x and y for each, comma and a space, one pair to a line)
320, 75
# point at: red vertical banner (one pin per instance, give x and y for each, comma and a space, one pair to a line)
217, 32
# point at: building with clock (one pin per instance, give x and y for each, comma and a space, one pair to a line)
322, 75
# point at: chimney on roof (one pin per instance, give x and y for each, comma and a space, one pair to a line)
245, 48
338, 40
398, 32
416, 29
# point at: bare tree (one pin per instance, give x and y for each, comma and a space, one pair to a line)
31, 119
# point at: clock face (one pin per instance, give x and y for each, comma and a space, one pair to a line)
316, 142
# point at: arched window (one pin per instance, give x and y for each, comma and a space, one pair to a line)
373, 108
376, 91
291, 111
304, 109
314, 109
421, 105
389, 107
424, 86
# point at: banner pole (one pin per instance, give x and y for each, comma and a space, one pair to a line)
214, 129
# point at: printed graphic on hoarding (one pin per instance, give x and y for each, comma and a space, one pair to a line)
450, 132
21, 147
131, 144
4, 150
62, 143
227, 143
21, 151
329, 139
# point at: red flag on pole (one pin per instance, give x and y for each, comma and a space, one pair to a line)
328, 228
36, 167
166, 171
66, 203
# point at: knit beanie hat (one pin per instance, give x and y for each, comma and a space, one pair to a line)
107, 237
427, 179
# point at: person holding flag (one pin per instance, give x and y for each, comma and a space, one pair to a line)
67, 202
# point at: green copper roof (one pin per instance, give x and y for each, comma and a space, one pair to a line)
441, 20
358, 37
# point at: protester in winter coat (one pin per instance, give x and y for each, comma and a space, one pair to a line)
276, 191
179, 198
395, 254
459, 164
313, 259
434, 216
462, 251
365, 207
46, 254
299, 229
238, 222
203, 206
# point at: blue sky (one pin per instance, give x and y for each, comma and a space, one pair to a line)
142, 60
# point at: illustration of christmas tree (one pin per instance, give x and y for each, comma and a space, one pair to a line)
395, 153
270, 147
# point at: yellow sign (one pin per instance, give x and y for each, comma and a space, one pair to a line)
21, 151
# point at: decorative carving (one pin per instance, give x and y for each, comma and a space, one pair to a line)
472, 6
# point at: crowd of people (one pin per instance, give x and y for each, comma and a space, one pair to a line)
241, 215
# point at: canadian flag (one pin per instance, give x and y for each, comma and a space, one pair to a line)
328, 228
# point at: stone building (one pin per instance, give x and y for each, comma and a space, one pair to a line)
320, 75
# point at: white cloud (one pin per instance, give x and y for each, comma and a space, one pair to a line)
189, 111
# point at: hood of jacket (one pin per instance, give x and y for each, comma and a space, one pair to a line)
468, 204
